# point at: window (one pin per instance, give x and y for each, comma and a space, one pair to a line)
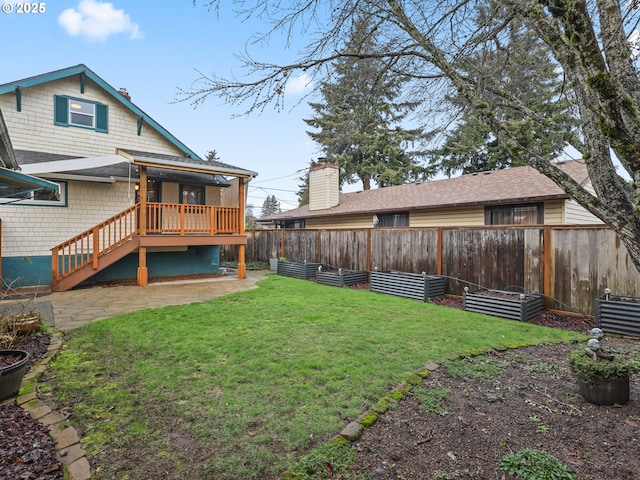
525, 214
391, 220
192, 195
294, 223
73, 112
19, 196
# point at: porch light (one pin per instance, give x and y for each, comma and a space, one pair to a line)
136, 187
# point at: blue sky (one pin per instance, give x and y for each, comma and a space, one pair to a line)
153, 48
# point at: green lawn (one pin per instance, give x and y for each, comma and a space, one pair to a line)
244, 385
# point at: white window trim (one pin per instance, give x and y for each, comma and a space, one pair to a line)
61, 202
91, 115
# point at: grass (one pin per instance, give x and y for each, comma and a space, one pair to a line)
244, 386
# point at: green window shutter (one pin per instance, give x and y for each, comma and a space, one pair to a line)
60, 110
102, 118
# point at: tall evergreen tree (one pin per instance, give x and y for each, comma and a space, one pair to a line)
303, 193
516, 63
359, 121
270, 206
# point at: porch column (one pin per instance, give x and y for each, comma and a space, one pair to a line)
143, 200
242, 266
143, 272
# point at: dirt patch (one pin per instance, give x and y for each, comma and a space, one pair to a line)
528, 400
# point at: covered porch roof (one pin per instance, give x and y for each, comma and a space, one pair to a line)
125, 165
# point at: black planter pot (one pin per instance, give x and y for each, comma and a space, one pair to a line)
605, 391
11, 375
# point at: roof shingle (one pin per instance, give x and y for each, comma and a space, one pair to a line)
512, 185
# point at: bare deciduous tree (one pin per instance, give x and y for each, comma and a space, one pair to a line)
588, 39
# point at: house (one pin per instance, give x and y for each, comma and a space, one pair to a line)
120, 197
518, 195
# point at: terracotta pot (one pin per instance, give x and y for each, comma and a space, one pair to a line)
11, 375
605, 391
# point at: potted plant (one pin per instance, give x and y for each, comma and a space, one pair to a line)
603, 376
14, 361
273, 262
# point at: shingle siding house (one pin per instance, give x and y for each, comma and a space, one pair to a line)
134, 201
519, 195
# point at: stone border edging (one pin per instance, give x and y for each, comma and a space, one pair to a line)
66, 439
354, 430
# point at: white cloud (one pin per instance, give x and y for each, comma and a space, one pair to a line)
300, 84
97, 21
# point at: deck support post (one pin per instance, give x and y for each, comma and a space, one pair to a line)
143, 271
242, 266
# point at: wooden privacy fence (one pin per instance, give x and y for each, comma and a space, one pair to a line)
570, 265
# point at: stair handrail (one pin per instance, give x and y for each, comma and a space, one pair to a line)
86, 247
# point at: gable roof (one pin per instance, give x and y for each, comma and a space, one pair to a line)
511, 185
190, 162
83, 72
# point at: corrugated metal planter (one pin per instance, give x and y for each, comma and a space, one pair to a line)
410, 285
342, 277
302, 270
621, 315
499, 303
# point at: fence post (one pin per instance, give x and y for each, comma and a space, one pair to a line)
546, 286
282, 255
368, 252
439, 253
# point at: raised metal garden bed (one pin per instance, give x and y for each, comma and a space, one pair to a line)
410, 285
616, 314
302, 270
341, 277
500, 303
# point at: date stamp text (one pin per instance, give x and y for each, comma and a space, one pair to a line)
24, 7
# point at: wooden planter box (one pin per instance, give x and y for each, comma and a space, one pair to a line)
504, 304
410, 285
342, 278
621, 315
302, 270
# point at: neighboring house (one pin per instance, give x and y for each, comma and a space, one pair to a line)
123, 198
517, 196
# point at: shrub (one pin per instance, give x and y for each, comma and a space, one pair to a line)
535, 465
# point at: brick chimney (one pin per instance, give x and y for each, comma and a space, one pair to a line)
324, 185
124, 93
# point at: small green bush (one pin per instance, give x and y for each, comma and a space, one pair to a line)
535, 465
588, 369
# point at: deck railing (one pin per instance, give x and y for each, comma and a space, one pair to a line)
183, 218
161, 218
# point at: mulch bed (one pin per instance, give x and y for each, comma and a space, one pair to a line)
26, 448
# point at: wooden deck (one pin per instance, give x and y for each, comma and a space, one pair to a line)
135, 229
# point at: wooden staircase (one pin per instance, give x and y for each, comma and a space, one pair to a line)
79, 258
